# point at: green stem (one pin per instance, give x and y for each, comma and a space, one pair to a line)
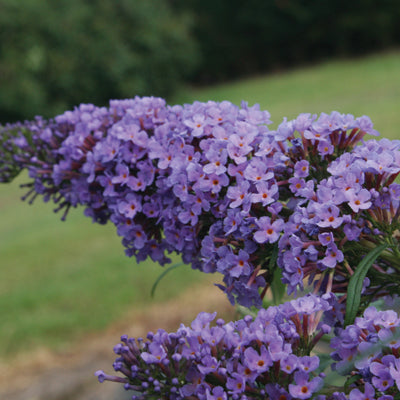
392, 255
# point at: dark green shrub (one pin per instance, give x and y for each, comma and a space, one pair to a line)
58, 53
242, 37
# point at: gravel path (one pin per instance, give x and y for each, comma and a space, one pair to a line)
69, 374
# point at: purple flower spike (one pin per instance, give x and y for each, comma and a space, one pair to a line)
251, 358
361, 349
169, 176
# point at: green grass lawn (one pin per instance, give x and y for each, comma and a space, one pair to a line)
60, 280
366, 86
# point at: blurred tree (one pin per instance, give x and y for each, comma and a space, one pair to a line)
55, 54
58, 53
243, 37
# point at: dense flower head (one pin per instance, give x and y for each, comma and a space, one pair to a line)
368, 351
338, 218
252, 358
211, 182
163, 175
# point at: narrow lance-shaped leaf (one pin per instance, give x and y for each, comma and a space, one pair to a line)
356, 283
351, 380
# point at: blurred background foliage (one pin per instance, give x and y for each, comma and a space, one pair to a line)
55, 54
58, 53
254, 36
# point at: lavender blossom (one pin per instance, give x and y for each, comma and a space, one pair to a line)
178, 178
212, 183
369, 349
237, 360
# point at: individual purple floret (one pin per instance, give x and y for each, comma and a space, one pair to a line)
246, 359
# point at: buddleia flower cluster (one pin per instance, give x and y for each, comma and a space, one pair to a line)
252, 358
368, 351
353, 209
311, 203
211, 182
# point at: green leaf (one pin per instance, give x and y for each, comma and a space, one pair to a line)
161, 276
356, 283
325, 360
351, 380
